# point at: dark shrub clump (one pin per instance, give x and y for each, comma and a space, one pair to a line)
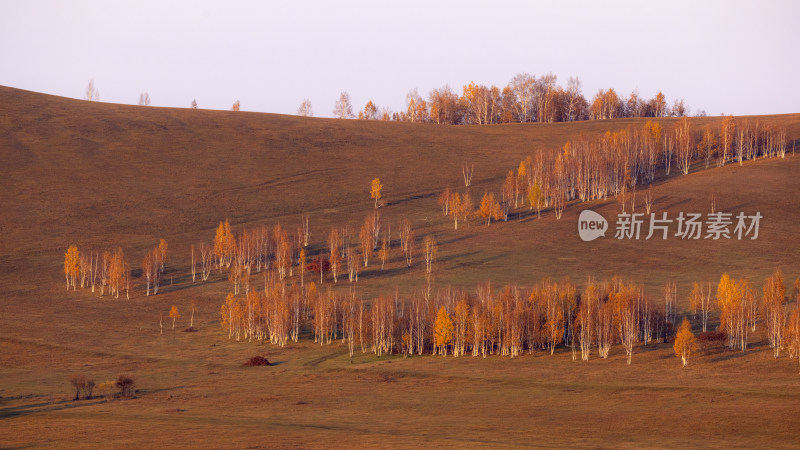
257, 361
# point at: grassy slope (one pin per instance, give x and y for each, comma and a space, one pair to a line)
100, 175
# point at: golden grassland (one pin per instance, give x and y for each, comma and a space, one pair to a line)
102, 175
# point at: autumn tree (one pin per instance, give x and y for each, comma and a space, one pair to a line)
658, 105
708, 145
206, 260
305, 109
383, 253
445, 200
774, 310
685, 342
194, 104
236, 106
365, 239
430, 252
92, 94
535, 197
370, 112
700, 302
587, 312
733, 311
792, 333
375, 190
726, 132
144, 99
117, 272
224, 245
78, 382
150, 270
467, 172
302, 266
509, 194
407, 240
191, 318
174, 314
554, 316
72, 266
489, 208
445, 107
343, 108
126, 386
684, 142
627, 312
456, 209
334, 241
162, 253
443, 331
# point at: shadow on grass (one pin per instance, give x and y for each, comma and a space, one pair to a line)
24, 410
729, 356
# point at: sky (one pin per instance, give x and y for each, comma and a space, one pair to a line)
731, 57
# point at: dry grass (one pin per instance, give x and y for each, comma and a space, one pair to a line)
99, 175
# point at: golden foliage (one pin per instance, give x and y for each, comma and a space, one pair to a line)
685, 342
443, 331
375, 190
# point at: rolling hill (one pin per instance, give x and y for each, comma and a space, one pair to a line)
103, 175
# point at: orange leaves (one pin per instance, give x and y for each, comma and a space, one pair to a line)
375, 190
456, 206
685, 342
443, 330
489, 208
224, 244
72, 266
174, 315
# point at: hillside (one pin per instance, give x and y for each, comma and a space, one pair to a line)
102, 175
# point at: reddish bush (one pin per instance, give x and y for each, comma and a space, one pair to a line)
257, 361
126, 386
315, 265
710, 336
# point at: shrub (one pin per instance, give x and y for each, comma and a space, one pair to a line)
711, 339
126, 386
710, 336
319, 264
106, 388
257, 361
78, 382
88, 389
81, 384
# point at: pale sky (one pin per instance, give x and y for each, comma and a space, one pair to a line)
733, 57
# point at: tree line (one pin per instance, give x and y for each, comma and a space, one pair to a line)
615, 164
512, 321
526, 98
108, 271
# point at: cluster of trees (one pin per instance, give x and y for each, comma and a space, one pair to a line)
108, 271
616, 163
461, 208
144, 99
509, 321
85, 385
347, 250
153, 266
451, 321
526, 98
105, 271
741, 309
